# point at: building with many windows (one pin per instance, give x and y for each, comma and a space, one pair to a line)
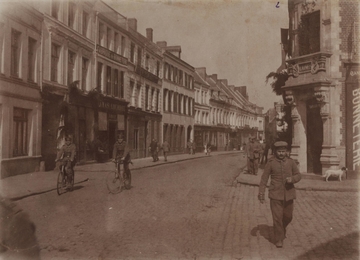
178, 98
323, 85
144, 75
20, 80
224, 117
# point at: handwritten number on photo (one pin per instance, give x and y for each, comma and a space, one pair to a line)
277, 5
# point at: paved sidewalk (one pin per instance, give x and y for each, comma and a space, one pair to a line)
20, 186
308, 182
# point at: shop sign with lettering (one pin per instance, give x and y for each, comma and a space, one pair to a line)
353, 127
112, 106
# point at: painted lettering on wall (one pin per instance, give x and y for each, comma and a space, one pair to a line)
356, 127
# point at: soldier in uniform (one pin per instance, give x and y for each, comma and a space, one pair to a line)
284, 173
67, 155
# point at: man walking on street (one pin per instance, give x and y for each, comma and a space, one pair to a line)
166, 148
190, 146
154, 148
283, 172
253, 155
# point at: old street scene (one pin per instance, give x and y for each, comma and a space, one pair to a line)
179, 129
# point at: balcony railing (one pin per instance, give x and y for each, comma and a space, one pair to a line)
312, 63
111, 55
146, 74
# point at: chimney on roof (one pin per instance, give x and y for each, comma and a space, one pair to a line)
132, 22
149, 34
201, 71
224, 81
162, 44
214, 77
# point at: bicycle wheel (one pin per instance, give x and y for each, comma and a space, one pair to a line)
127, 182
61, 184
71, 187
113, 182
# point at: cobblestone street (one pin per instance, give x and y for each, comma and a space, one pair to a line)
189, 210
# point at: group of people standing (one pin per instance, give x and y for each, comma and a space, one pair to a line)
155, 148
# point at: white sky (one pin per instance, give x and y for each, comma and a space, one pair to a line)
237, 39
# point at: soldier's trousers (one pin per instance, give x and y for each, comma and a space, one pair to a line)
253, 166
282, 213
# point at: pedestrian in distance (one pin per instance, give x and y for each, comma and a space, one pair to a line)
193, 147
283, 172
166, 148
190, 146
253, 149
154, 149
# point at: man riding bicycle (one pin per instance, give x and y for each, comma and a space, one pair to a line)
119, 152
67, 156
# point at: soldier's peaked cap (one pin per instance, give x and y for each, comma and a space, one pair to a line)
279, 144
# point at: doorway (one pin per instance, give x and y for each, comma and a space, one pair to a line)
314, 136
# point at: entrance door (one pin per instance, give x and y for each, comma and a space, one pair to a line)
314, 135
112, 136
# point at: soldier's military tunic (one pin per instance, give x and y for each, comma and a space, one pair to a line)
281, 194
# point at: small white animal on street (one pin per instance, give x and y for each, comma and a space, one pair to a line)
336, 173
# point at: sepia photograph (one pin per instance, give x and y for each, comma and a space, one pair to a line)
179, 129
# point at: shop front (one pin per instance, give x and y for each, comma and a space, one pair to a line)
143, 127
111, 121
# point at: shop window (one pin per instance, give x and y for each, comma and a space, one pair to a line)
55, 54
71, 15
20, 132
85, 68
309, 33
15, 52
71, 66
31, 59
85, 23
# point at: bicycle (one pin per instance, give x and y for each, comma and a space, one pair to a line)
65, 177
114, 180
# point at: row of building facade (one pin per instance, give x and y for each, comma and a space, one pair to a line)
82, 68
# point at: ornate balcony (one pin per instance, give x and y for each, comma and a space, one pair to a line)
312, 63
